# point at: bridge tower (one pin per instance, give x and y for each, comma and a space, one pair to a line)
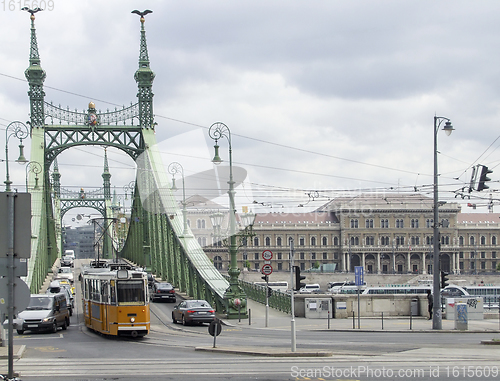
155, 237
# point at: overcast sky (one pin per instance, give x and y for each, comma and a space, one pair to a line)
325, 98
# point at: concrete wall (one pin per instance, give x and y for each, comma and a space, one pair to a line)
370, 305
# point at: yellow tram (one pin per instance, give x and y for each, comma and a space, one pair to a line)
115, 300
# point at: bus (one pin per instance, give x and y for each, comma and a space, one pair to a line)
115, 300
489, 292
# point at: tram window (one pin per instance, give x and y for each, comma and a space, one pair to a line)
105, 291
113, 293
130, 292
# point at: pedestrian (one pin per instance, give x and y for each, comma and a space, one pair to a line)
430, 303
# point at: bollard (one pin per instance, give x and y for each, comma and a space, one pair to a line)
382, 321
328, 319
249, 316
411, 320
353, 321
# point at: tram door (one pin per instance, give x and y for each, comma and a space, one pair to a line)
105, 300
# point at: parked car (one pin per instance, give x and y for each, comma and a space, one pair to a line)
56, 287
193, 311
44, 313
310, 288
162, 291
65, 273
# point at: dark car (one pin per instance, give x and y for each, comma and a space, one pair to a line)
193, 311
162, 291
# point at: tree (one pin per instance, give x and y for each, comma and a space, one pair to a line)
316, 265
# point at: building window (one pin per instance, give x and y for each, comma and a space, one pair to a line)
302, 255
313, 241
268, 241
461, 265
461, 255
313, 256
278, 241
400, 223
493, 254
460, 241
415, 240
429, 223
483, 265
493, 265
414, 223
324, 241
445, 223
256, 256
218, 262
400, 241
335, 241
369, 241
384, 223
256, 241
384, 241
245, 256
280, 266
354, 241
325, 256
445, 240
256, 265
200, 224
494, 240
301, 241
472, 241
483, 240
354, 223
369, 223
483, 254
279, 256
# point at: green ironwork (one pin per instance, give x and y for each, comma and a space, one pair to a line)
157, 237
278, 300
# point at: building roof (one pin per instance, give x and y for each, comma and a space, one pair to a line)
385, 201
478, 218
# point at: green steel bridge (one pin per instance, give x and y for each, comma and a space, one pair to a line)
157, 237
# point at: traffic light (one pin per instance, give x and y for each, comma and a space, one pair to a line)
444, 279
265, 278
269, 292
298, 278
483, 178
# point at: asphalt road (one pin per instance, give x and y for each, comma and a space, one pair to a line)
170, 352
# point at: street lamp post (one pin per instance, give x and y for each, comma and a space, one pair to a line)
235, 297
173, 169
20, 131
36, 168
436, 316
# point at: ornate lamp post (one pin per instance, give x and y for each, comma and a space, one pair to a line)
20, 131
36, 168
217, 219
436, 316
235, 297
173, 169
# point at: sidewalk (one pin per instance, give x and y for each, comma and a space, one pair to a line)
281, 321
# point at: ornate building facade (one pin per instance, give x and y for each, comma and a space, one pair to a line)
386, 234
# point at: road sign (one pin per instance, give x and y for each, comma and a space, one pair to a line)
267, 269
22, 295
215, 328
22, 224
359, 275
267, 255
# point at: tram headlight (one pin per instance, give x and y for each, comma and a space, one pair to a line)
132, 320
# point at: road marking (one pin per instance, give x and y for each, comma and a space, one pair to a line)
49, 349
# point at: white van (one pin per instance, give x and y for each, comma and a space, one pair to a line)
310, 288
